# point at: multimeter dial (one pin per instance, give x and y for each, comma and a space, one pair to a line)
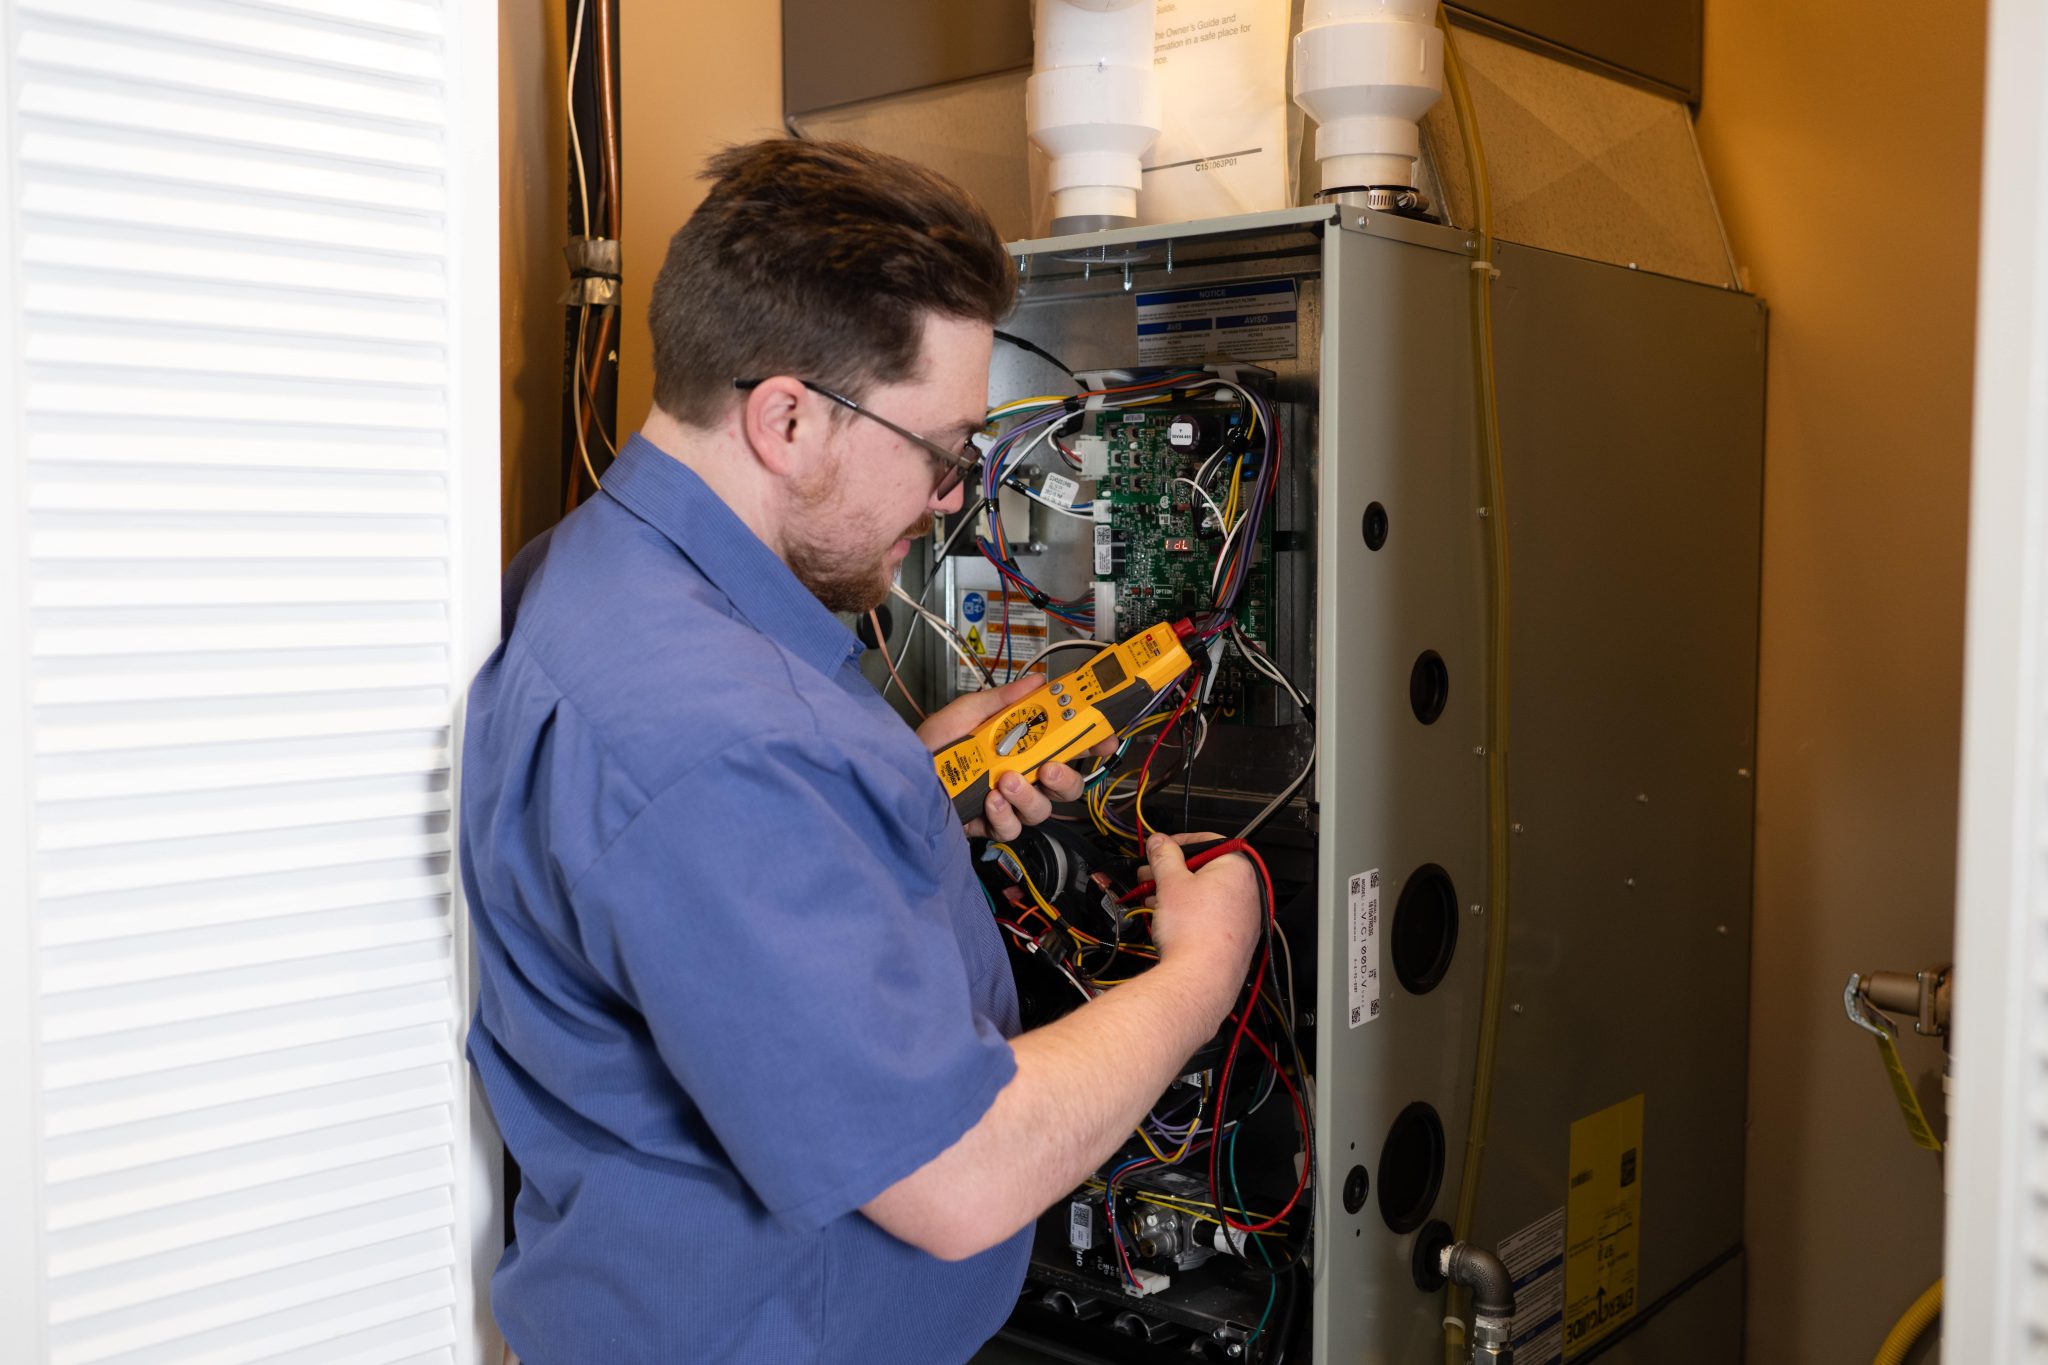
1021, 729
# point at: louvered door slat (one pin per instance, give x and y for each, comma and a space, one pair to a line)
251, 381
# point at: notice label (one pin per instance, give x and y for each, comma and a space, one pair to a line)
1365, 947
1257, 320
1603, 1211
1534, 1258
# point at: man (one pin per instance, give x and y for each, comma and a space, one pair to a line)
745, 1021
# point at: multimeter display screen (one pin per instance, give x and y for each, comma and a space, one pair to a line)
1109, 673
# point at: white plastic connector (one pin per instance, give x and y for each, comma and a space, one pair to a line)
1367, 71
1092, 105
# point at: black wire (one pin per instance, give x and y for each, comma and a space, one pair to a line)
1034, 348
967, 518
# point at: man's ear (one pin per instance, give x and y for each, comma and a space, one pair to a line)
776, 424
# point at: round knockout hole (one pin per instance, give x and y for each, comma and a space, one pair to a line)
1355, 1186
1429, 687
1425, 930
1375, 526
1411, 1167
1429, 1255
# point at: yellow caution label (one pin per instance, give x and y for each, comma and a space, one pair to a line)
974, 641
1603, 1224
1917, 1126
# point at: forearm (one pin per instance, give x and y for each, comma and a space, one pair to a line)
1082, 1084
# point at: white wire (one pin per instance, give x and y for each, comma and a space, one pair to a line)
575, 141
1056, 646
1083, 513
1203, 494
576, 397
1266, 666
952, 637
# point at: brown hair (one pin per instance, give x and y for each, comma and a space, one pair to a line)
819, 260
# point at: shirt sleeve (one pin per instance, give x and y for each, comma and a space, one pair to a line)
778, 918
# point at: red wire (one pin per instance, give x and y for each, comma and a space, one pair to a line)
1242, 1031
1157, 740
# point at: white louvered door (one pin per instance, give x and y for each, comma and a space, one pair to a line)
1996, 1257
250, 386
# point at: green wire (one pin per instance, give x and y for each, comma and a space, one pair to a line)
1272, 1281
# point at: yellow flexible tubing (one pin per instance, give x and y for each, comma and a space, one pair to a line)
1497, 710
1910, 1328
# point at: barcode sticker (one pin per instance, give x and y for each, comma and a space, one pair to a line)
1080, 1225
1104, 561
1365, 947
1059, 490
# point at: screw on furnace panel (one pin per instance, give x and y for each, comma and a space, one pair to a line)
1478, 909
1516, 1007
1642, 798
1720, 928
1742, 772
1515, 828
1628, 881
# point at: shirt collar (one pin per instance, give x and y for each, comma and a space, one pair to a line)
669, 496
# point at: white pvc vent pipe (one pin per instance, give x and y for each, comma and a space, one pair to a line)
1092, 105
1367, 71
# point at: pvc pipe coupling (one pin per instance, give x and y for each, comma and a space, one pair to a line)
1367, 71
1092, 105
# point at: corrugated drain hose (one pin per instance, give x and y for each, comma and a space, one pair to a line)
1497, 705
1910, 1328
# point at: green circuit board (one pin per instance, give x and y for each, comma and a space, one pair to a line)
1162, 540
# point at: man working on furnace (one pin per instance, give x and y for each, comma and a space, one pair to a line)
745, 1021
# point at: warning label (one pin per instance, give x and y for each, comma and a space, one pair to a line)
1534, 1258
1365, 947
1603, 1224
1002, 642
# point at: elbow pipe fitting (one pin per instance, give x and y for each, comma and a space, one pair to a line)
1493, 1300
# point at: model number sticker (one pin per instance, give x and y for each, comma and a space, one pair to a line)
1104, 560
1080, 1226
1365, 947
1059, 490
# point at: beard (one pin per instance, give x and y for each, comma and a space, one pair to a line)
847, 580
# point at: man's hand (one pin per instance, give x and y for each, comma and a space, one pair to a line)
1213, 913
1014, 803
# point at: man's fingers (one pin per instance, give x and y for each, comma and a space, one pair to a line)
1165, 857
1060, 781
1031, 805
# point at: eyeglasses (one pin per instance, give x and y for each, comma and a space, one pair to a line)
954, 465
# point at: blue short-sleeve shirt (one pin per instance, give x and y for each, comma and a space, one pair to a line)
737, 977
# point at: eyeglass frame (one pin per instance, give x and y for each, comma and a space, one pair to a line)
956, 464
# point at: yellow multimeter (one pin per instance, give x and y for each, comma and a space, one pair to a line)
1068, 715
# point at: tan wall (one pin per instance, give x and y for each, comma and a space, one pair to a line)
694, 77
1819, 118
533, 205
